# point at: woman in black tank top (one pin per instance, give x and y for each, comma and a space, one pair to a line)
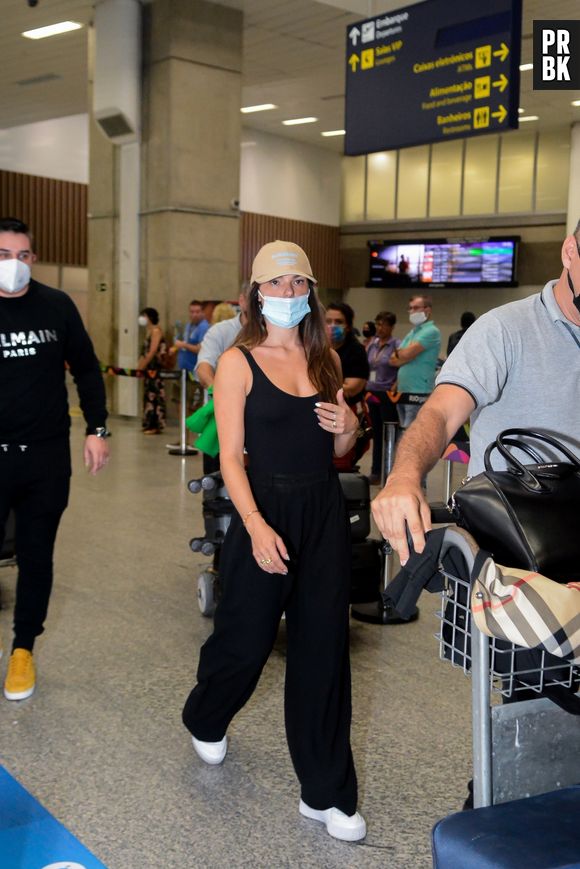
287, 550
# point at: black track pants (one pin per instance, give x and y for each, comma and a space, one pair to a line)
310, 516
34, 482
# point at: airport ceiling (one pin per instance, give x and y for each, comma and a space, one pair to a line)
293, 57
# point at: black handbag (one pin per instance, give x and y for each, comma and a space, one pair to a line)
526, 516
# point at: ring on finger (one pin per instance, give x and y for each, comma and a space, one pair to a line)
334, 423
265, 561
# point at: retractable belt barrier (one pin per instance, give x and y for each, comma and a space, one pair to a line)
117, 371
181, 449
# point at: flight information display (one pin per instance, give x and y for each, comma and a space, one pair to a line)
491, 262
433, 71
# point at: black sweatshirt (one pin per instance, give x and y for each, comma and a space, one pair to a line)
39, 332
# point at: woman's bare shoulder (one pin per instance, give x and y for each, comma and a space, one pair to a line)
233, 363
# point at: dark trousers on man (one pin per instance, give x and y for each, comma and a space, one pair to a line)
309, 514
34, 483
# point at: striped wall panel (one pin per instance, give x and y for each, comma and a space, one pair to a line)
321, 243
56, 212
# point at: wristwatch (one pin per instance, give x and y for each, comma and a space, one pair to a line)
100, 432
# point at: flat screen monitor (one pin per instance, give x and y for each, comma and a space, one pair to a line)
489, 262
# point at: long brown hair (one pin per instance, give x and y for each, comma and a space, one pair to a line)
322, 371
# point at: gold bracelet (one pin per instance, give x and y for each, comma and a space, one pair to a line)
247, 516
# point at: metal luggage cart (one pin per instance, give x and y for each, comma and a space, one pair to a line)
217, 513
519, 748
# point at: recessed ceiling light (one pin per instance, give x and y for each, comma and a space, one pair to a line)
524, 67
334, 133
264, 107
293, 121
521, 111
575, 103
529, 118
52, 30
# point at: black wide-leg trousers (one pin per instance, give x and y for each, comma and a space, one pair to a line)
34, 482
308, 512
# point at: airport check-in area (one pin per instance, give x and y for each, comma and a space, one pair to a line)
155, 149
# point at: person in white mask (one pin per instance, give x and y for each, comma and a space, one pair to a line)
416, 358
40, 331
278, 393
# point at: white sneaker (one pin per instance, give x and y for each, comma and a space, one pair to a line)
211, 752
349, 828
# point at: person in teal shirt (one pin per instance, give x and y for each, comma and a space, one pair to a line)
416, 358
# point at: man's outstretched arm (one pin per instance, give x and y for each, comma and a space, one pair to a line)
402, 501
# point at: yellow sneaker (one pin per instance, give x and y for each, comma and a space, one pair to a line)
20, 678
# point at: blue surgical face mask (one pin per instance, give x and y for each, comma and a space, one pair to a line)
285, 312
336, 334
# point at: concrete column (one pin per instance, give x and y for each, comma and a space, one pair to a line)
181, 221
574, 180
102, 234
190, 154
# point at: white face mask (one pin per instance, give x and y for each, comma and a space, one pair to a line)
14, 275
285, 312
142, 320
417, 317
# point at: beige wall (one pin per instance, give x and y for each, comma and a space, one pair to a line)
73, 280
514, 173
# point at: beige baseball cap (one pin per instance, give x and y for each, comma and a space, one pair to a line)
279, 258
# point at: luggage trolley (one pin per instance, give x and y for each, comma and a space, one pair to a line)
217, 513
520, 749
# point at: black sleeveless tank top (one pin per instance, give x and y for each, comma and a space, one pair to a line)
282, 431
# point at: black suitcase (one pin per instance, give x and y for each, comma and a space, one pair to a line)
358, 501
367, 571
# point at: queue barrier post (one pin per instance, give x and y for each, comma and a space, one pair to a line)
382, 612
183, 449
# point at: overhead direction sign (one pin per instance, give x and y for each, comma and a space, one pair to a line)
431, 72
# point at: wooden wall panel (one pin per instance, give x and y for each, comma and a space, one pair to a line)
56, 212
321, 243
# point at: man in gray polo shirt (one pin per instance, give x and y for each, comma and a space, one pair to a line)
517, 366
216, 341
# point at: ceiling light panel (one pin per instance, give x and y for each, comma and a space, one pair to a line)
52, 30
292, 122
264, 107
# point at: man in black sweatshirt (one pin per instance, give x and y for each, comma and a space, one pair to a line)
40, 331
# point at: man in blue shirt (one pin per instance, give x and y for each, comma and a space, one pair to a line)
193, 333
416, 358
187, 349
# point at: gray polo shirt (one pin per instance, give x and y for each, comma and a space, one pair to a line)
521, 365
217, 339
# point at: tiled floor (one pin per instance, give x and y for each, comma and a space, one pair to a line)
101, 743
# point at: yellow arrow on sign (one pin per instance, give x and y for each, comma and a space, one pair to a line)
502, 52
501, 83
501, 114
354, 61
